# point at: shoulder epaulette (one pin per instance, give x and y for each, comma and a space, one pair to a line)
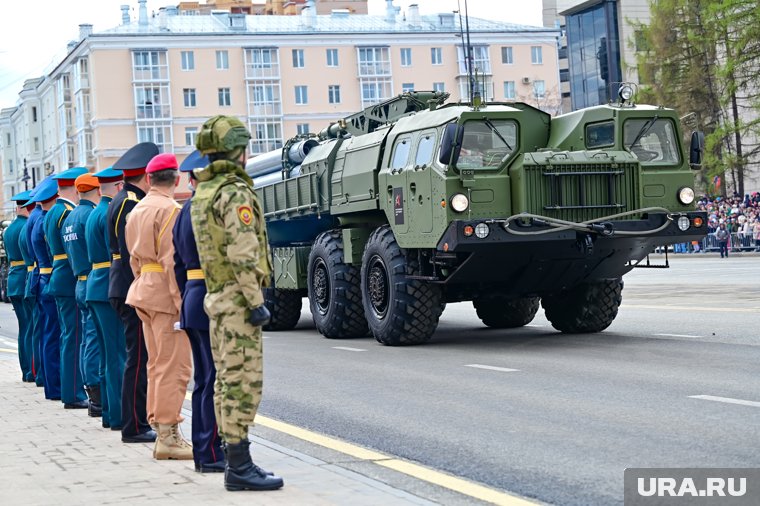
132, 196
68, 207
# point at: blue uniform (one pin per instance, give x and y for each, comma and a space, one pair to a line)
62, 287
31, 294
74, 242
30, 305
113, 350
16, 287
206, 442
48, 315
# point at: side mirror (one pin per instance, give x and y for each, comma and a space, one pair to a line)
695, 150
450, 144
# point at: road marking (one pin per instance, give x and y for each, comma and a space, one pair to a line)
491, 368
8, 350
346, 348
460, 485
694, 308
678, 335
727, 400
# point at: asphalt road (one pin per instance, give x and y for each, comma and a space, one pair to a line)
549, 416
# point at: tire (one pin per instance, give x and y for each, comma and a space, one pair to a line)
500, 312
334, 290
285, 307
399, 311
590, 307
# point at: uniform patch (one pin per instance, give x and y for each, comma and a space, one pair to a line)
245, 214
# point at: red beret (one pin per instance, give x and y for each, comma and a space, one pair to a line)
163, 161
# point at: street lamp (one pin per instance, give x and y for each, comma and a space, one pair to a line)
25, 178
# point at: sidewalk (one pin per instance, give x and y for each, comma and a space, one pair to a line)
52, 456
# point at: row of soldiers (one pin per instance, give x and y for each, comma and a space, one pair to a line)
115, 285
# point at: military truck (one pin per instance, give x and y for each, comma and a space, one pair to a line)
387, 215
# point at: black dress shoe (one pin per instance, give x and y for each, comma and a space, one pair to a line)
211, 467
75, 405
105, 423
145, 437
116, 427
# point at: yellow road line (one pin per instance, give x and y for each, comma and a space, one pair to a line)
8, 350
459, 485
695, 308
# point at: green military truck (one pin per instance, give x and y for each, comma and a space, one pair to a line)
387, 215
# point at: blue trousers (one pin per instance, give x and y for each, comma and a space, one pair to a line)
29, 306
113, 355
71, 339
50, 341
38, 369
24, 348
90, 348
207, 445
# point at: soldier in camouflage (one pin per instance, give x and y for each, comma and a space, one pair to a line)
234, 254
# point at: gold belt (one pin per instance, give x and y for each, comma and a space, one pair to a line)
60, 257
30, 268
151, 268
46, 270
17, 263
101, 265
116, 256
195, 274
82, 278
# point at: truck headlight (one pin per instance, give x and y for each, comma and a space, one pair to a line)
683, 223
482, 230
686, 195
460, 202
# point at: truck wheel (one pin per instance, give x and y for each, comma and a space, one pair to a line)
334, 289
500, 312
399, 311
285, 307
590, 307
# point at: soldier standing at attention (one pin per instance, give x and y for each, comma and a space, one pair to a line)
31, 292
74, 242
17, 283
234, 254
207, 447
135, 428
29, 300
113, 351
50, 330
62, 287
155, 297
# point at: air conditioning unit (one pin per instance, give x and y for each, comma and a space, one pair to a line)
526, 80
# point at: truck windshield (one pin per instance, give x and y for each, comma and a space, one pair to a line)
653, 141
487, 143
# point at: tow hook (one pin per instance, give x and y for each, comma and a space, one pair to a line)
586, 244
605, 228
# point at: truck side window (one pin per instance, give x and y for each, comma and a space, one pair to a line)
599, 135
425, 150
401, 154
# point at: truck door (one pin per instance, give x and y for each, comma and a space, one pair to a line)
398, 192
419, 183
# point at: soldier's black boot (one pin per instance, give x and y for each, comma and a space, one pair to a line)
94, 407
242, 474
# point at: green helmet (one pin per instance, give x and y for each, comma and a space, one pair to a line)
222, 134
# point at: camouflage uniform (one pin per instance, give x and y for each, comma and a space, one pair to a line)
235, 259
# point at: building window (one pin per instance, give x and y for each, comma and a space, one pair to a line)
332, 57
189, 96
480, 60
222, 60
435, 56
407, 87
224, 97
264, 99
262, 63
302, 128
34, 114
439, 87
333, 94
374, 61
406, 56
539, 89
536, 55
151, 101
302, 95
36, 144
159, 134
267, 136
188, 60
190, 133
506, 55
298, 62
509, 90
149, 66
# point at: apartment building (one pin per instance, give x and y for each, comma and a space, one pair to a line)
159, 78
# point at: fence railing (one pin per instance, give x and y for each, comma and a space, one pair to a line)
737, 242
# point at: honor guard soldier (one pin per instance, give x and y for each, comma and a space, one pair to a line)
17, 283
234, 254
110, 330
155, 296
207, 447
46, 195
74, 242
62, 287
135, 428
32, 288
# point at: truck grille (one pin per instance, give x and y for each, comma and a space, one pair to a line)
582, 192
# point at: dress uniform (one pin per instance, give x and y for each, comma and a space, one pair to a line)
155, 296
207, 447
233, 250
135, 428
48, 314
74, 242
17, 283
62, 287
31, 290
113, 351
